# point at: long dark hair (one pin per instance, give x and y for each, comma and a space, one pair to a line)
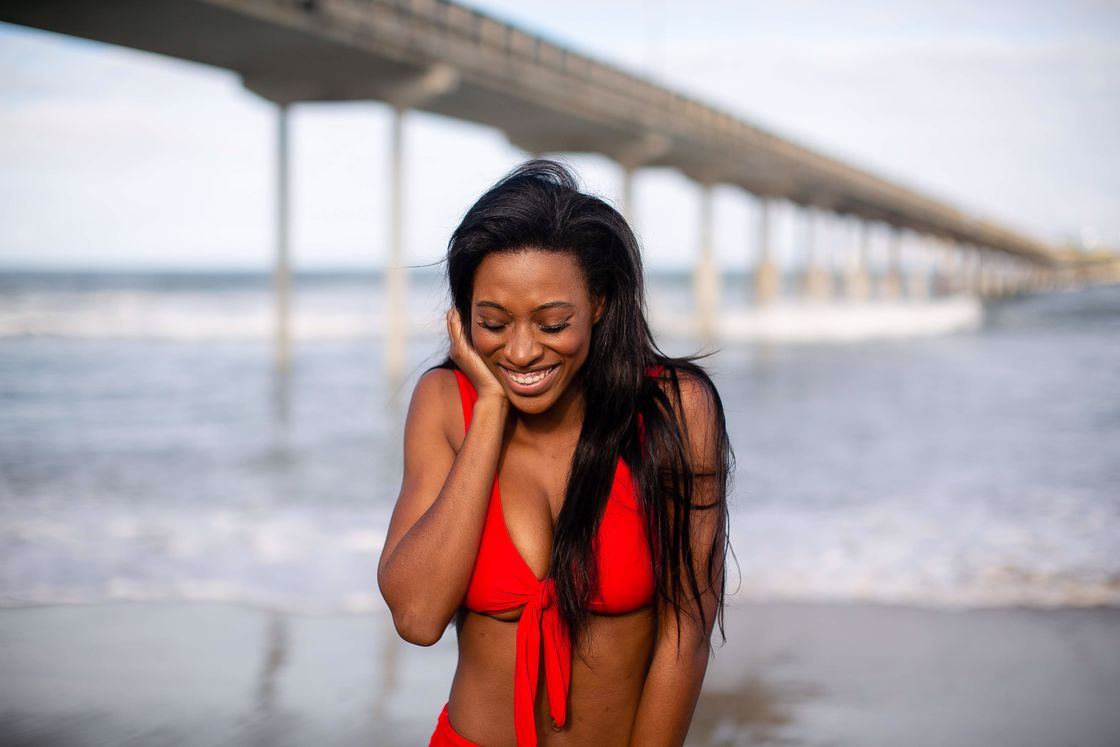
632, 390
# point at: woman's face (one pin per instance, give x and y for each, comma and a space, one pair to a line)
531, 317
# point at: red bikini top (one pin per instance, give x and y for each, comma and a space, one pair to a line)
502, 581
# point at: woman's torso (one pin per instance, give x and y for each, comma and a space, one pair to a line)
609, 665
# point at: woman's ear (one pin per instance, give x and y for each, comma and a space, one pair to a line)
598, 305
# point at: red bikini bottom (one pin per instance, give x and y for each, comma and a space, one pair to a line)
445, 736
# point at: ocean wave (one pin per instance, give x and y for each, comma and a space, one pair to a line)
840, 321
141, 316
960, 556
325, 562
137, 315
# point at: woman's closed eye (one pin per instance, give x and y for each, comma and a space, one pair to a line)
499, 326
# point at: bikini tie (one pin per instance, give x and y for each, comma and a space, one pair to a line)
540, 623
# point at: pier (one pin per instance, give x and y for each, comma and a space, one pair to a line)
441, 57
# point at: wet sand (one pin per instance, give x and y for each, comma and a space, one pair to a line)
851, 674
790, 674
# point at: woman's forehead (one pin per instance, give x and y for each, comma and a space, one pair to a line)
531, 277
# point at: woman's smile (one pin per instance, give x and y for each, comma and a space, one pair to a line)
529, 383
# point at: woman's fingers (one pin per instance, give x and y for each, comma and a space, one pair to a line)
460, 348
454, 327
468, 359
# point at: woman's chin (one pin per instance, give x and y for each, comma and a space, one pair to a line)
529, 405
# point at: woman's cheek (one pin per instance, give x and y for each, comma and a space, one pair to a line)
485, 344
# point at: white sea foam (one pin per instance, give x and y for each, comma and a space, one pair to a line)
309, 561
349, 313
140, 316
840, 321
325, 562
963, 557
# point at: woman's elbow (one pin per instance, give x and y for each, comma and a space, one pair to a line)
419, 630
414, 624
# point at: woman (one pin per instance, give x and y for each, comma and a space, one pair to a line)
564, 491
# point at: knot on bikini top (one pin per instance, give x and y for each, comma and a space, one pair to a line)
541, 636
546, 594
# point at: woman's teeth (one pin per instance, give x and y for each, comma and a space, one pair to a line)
526, 379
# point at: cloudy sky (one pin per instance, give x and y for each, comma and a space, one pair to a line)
112, 158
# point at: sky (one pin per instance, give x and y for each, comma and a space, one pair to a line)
112, 158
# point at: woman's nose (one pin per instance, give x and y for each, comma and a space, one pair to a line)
523, 346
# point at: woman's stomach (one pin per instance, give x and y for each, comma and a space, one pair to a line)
609, 665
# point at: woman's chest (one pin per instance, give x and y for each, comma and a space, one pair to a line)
532, 480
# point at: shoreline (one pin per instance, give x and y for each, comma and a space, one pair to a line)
791, 673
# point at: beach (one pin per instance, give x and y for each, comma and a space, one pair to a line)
797, 674
924, 525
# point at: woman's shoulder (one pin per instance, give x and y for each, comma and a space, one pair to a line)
436, 397
438, 379
684, 381
691, 400
690, 396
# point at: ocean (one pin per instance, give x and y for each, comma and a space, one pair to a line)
150, 453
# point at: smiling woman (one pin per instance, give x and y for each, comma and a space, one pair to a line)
564, 486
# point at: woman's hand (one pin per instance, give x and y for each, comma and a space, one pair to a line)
469, 361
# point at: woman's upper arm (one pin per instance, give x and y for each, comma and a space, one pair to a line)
698, 413
433, 416
699, 417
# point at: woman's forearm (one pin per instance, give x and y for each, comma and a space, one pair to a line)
672, 687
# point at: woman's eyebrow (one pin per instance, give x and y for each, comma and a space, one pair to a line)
542, 307
492, 305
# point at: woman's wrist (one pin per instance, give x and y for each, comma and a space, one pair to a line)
497, 403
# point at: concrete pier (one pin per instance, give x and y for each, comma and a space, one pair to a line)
817, 282
891, 284
857, 280
281, 270
766, 280
396, 291
705, 276
450, 60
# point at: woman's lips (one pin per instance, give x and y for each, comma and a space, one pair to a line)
530, 382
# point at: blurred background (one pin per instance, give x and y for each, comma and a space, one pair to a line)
893, 226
